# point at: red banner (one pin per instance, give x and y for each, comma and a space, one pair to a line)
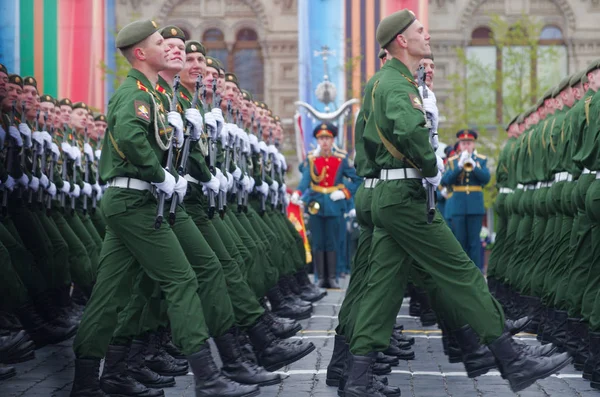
295, 216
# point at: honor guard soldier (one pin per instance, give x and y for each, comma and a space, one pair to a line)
467, 174
325, 191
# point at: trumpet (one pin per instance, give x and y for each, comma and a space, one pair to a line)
469, 163
313, 208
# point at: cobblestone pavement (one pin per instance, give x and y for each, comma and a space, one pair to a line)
429, 375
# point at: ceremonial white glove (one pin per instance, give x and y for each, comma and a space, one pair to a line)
218, 118
47, 138
23, 180
2, 136
337, 195
229, 181
54, 149
272, 150
463, 157
66, 189
34, 183
98, 190
253, 142
296, 198
444, 193
282, 162
87, 189
222, 180
283, 188
194, 117
68, 150
440, 163
430, 107
51, 190
213, 185
44, 181
263, 188
262, 146
352, 213
26, 132
286, 200
175, 121
274, 186
245, 142
16, 135
9, 183
434, 180
98, 153
224, 132
37, 138
211, 124
247, 183
181, 188
89, 152
167, 186
77, 154
237, 173
76, 191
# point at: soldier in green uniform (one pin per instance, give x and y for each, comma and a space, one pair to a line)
402, 237
96, 216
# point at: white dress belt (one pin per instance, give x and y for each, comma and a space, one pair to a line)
370, 183
130, 183
400, 173
505, 190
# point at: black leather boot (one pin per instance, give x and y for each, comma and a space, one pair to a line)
593, 356
50, 308
337, 364
382, 369
16, 347
547, 327
534, 313
401, 338
385, 359
282, 330
319, 261
7, 372
137, 369
290, 296
292, 283
311, 292
86, 382
116, 380
402, 354
360, 377
379, 383
515, 326
43, 333
427, 315
273, 353
414, 307
281, 307
477, 358
522, 370
209, 380
331, 259
237, 368
546, 350
577, 337
159, 361
404, 345
559, 335
168, 345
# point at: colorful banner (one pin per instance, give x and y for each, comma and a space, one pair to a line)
62, 43
295, 216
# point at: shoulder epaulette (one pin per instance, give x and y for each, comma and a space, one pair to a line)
337, 149
160, 89
141, 86
453, 158
481, 156
184, 96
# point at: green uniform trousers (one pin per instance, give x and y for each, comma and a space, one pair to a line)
592, 209
91, 229
502, 227
270, 272
402, 238
81, 231
560, 284
523, 238
14, 293
132, 242
98, 221
512, 205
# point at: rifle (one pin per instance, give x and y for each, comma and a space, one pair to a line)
10, 160
74, 144
94, 193
212, 154
271, 159
185, 152
430, 188
263, 198
64, 174
161, 195
22, 154
39, 151
86, 172
226, 148
53, 161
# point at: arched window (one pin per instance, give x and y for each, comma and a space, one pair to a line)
247, 62
552, 57
483, 56
214, 41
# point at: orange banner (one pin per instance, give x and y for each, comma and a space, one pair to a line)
295, 216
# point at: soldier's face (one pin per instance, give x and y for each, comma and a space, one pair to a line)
211, 75
13, 94
29, 96
468, 146
90, 123
326, 143
195, 65
230, 91
56, 117
577, 91
154, 52
65, 114
416, 40
100, 127
594, 80
47, 110
278, 132
175, 54
32, 108
429, 71
79, 118
3, 84
567, 96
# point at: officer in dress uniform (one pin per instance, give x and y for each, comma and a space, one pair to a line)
325, 192
467, 174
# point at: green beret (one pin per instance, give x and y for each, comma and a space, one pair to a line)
263, 105
192, 46
3, 69
232, 78
135, 32
47, 98
277, 119
592, 66
30, 81
80, 105
576, 79
247, 95
65, 102
99, 117
212, 63
548, 93
15, 79
521, 118
539, 104
393, 25
172, 32
511, 122
381, 54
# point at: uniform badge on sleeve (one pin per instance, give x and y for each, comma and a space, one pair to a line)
142, 110
415, 101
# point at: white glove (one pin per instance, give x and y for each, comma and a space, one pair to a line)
87, 189
224, 134
463, 157
219, 119
263, 188
44, 181
430, 107
352, 213
26, 131
66, 189
296, 198
68, 150
253, 143
237, 173
274, 186
249, 185
262, 146
98, 190
286, 200
213, 185
222, 180
229, 182
434, 180
282, 162
37, 138
283, 188
98, 153
194, 117
440, 163
9, 183
16, 135
167, 186
245, 142
272, 150
76, 191
2, 136
181, 188
444, 193
211, 124
47, 138
175, 121
34, 183
54, 150
88, 151
23, 180
51, 190
337, 195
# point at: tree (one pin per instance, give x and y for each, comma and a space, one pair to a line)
485, 95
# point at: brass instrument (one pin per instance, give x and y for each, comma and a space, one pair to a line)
469, 163
313, 208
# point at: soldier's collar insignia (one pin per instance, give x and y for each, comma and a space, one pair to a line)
141, 86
